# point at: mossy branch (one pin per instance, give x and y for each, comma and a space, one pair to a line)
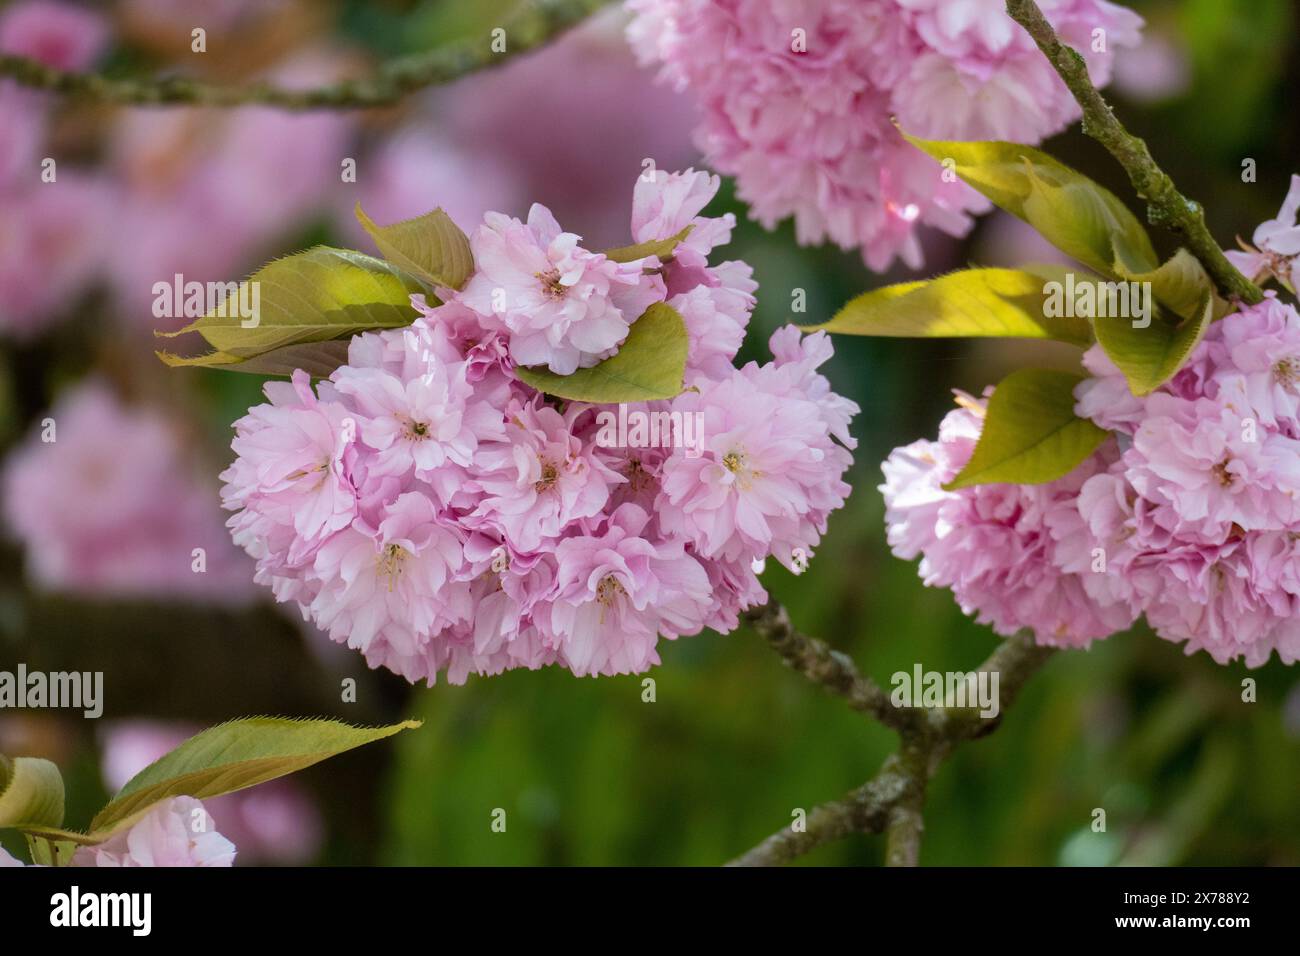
539, 22
892, 802
1166, 206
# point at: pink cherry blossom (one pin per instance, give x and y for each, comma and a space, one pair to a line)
1276, 250
273, 823
1189, 516
769, 472
176, 832
421, 424
291, 462
62, 35
617, 592
104, 502
1199, 516
386, 591
564, 307
997, 547
542, 480
796, 101
427, 507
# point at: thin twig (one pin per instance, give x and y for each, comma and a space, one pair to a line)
892, 801
831, 669
1166, 206
537, 23
864, 810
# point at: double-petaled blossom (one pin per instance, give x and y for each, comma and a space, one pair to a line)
798, 101
994, 546
1189, 515
176, 832
618, 591
563, 306
769, 472
1200, 517
428, 508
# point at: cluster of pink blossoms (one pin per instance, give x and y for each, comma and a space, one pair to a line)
1189, 515
429, 509
797, 99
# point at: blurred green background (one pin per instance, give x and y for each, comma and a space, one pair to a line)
590, 774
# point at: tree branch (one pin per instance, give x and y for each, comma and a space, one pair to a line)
1166, 206
906, 820
539, 22
893, 800
833, 670
864, 810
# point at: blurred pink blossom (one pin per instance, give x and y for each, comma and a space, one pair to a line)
110, 506
572, 123
52, 237
53, 228
415, 169
798, 98
62, 35
207, 194
1156, 71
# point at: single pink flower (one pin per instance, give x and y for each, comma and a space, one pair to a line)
176, 832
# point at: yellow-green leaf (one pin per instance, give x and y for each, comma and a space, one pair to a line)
1150, 356
31, 793
47, 851
313, 296
1031, 434
430, 247
1081, 218
977, 303
650, 364
1180, 284
317, 359
663, 248
233, 756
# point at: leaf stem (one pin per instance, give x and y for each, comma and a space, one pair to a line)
536, 24
1166, 206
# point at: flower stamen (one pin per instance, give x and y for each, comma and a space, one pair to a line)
390, 563
550, 475
551, 284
